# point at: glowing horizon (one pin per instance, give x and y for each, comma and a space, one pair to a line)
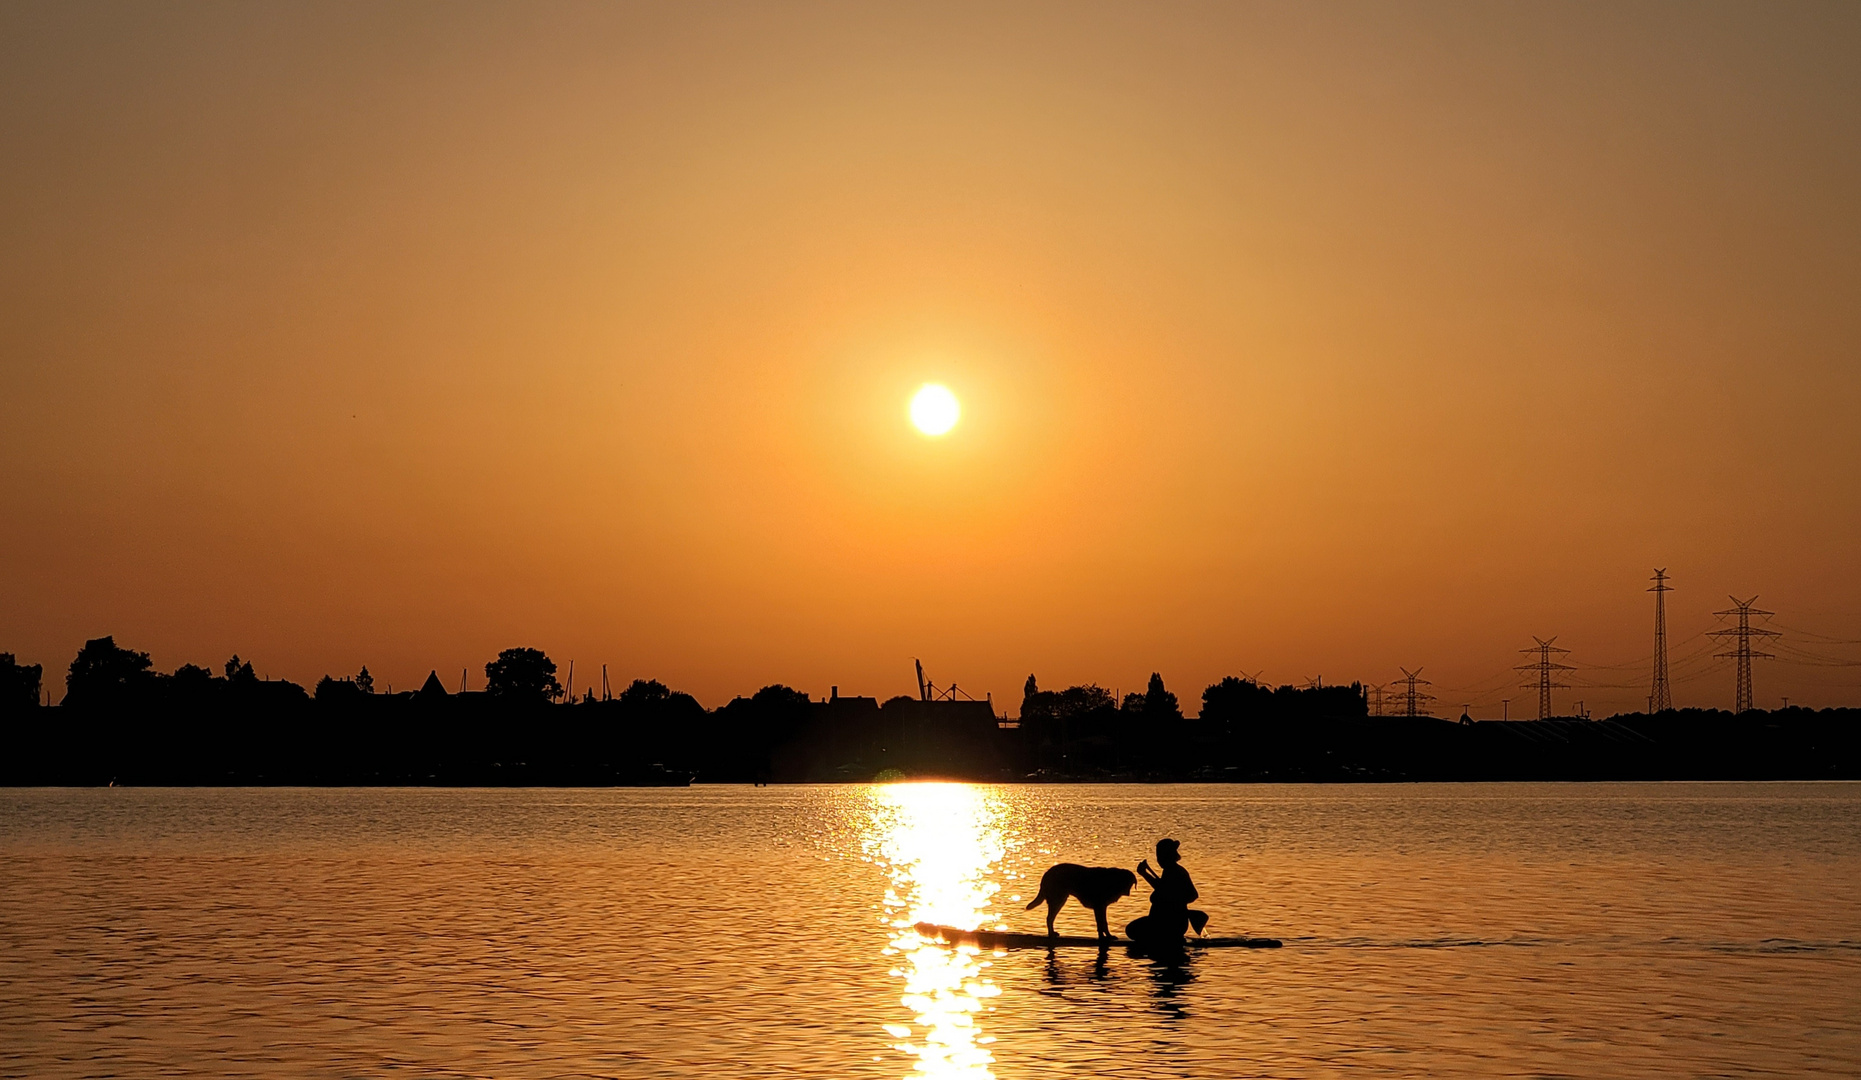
1318, 341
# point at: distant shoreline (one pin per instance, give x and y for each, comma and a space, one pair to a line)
462, 744
125, 723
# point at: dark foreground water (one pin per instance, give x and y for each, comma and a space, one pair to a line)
1532, 930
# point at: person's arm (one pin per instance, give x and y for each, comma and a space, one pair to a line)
1143, 868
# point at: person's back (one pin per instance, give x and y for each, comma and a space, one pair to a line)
1174, 889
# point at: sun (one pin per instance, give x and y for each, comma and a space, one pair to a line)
934, 409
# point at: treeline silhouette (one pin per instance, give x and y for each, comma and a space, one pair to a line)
121, 721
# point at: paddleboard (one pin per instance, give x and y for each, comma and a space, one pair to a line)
1004, 939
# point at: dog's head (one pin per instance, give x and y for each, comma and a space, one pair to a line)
1126, 882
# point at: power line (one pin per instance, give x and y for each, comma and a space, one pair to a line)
1822, 638
1790, 654
1644, 660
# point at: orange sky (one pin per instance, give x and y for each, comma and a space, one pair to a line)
1309, 339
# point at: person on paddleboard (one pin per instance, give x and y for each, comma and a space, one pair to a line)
1171, 894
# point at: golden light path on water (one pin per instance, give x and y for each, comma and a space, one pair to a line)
939, 842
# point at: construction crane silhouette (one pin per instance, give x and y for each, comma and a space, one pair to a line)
1545, 666
1741, 648
928, 691
1660, 699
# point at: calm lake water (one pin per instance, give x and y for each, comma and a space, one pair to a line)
1453, 930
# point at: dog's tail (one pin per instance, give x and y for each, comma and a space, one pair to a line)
1040, 897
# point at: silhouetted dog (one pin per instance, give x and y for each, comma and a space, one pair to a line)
1096, 887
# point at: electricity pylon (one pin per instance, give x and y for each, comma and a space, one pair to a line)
1741, 650
1660, 699
1415, 702
1544, 666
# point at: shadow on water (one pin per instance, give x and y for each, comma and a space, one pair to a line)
1171, 973
1061, 974
1168, 974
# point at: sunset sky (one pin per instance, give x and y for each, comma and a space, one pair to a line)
1305, 339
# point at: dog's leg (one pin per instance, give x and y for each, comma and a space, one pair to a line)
1104, 930
1053, 910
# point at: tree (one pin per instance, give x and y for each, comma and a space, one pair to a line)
19, 683
1060, 722
781, 700
1072, 703
364, 681
1159, 703
1236, 707
1230, 695
644, 692
748, 730
191, 682
651, 722
240, 672
102, 673
522, 676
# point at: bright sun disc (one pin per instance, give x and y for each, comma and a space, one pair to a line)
934, 409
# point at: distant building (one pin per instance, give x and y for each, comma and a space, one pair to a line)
856, 737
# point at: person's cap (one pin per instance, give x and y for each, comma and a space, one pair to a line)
1167, 845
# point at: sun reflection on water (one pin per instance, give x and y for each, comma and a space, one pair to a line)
939, 842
